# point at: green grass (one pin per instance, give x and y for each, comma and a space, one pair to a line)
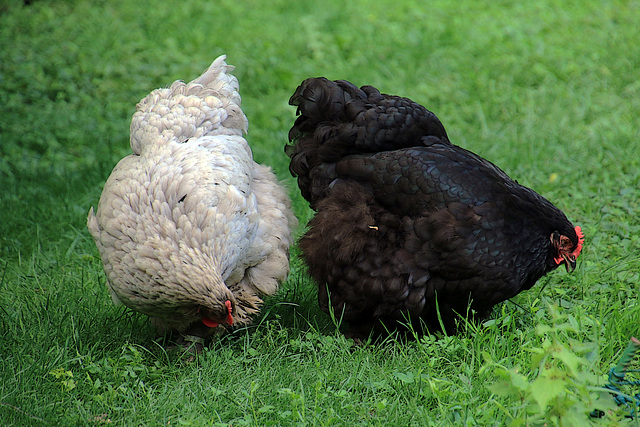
548, 90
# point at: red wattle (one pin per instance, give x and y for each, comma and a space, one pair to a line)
208, 322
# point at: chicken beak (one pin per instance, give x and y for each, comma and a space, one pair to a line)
569, 263
211, 323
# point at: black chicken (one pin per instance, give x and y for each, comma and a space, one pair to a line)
410, 227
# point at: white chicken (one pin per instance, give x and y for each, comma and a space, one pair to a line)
191, 231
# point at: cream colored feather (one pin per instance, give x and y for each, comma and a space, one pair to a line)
190, 220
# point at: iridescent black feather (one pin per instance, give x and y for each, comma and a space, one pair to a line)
404, 217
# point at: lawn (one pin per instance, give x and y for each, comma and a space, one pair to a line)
547, 90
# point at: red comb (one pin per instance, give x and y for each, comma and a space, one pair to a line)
212, 323
229, 316
578, 248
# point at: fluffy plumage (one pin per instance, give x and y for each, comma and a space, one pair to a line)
189, 228
406, 221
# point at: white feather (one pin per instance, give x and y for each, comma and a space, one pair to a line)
190, 219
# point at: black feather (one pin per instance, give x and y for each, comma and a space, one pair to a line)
404, 217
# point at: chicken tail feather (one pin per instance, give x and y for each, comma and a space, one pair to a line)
337, 119
208, 105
